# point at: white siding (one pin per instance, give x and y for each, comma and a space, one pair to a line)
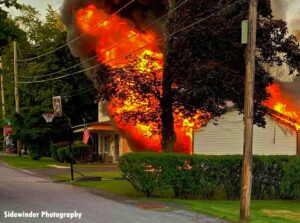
227, 138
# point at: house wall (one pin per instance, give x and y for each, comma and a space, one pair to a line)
227, 138
102, 113
124, 146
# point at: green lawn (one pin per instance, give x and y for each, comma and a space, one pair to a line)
109, 183
261, 211
26, 162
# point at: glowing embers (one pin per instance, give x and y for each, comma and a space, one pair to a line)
289, 114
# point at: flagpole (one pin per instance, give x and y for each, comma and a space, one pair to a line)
86, 128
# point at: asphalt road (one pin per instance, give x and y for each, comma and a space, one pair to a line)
23, 192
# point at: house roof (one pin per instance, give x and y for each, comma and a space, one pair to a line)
290, 91
94, 127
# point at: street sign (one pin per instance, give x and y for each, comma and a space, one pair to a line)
7, 130
8, 121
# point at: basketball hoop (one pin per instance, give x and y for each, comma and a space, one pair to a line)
49, 116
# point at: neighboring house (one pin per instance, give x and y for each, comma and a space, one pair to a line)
226, 138
107, 143
281, 136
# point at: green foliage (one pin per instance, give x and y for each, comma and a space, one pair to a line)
201, 176
267, 176
53, 151
291, 180
63, 154
80, 152
143, 171
35, 152
42, 36
8, 30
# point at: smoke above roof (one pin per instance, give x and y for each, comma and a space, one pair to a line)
140, 13
288, 10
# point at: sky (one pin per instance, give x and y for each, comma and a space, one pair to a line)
40, 5
285, 9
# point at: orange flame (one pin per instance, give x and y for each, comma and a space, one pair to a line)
290, 115
108, 31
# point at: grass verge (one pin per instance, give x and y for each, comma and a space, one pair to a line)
26, 162
111, 182
261, 211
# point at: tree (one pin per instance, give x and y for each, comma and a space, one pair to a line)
36, 98
204, 67
209, 58
8, 29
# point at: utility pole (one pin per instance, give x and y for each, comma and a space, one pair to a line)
17, 99
2, 92
248, 114
167, 100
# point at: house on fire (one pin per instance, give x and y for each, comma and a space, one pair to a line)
281, 136
107, 144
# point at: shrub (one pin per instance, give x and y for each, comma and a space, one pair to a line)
53, 151
202, 176
231, 181
35, 152
80, 152
188, 176
267, 176
143, 172
290, 187
63, 154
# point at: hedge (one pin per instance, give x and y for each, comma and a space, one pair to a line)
61, 153
200, 176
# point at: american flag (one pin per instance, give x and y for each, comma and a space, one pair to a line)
86, 136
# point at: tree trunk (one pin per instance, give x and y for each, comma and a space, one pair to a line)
167, 118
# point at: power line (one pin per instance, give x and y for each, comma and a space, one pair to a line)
113, 47
138, 49
69, 96
78, 37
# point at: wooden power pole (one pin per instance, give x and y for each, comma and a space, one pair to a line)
248, 113
2, 92
17, 98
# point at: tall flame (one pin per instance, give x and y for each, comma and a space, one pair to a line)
108, 31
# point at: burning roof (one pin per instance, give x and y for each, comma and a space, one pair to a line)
285, 104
